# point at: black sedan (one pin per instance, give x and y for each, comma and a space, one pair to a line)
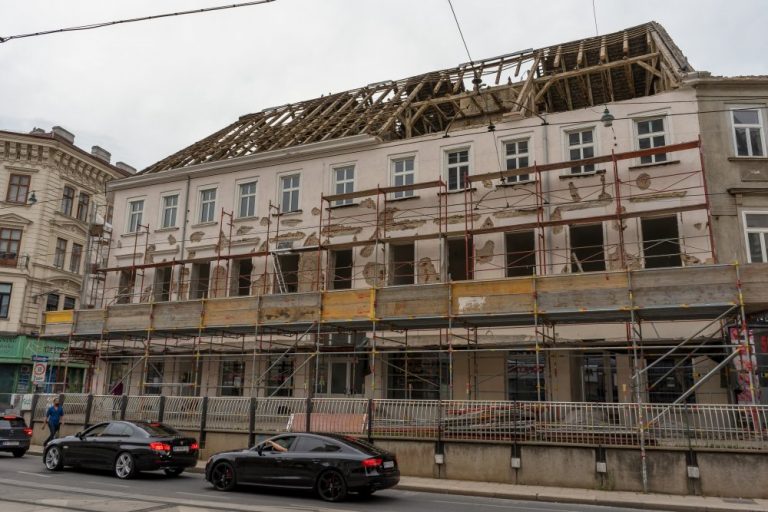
125, 447
14, 435
330, 464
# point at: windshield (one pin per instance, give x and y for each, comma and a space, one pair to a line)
11, 423
158, 429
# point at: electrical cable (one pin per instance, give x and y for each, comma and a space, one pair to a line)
594, 16
464, 41
133, 20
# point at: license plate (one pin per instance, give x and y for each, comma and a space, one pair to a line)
388, 464
181, 449
11, 443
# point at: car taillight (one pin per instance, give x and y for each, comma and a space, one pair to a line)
194, 446
28, 431
160, 447
372, 463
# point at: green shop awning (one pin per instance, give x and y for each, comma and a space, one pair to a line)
20, 349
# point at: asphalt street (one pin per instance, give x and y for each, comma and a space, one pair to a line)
26, 486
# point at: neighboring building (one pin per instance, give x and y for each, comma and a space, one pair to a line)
52, 198
402, 186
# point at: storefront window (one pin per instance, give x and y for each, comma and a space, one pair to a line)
524, 375
418, 377
279, 377
232, 373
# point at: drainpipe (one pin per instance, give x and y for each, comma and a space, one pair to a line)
183, 237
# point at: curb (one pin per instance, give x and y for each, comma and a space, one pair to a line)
551, 498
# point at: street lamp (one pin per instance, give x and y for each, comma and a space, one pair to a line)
32, 199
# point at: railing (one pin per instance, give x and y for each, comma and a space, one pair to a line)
727, 427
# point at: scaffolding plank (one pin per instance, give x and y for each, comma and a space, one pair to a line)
492, 297
234, 311
683, 287
583, 292
89, 322
343, 305
415, 301
754, 278
291, 307
129, 317
176, 315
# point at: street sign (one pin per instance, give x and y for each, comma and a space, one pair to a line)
38, 371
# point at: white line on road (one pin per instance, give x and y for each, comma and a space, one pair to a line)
34, 474
105, 483
203, 495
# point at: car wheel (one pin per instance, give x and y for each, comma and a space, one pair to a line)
331, 486
53, 459
19, 453
223, 476
125, 466
173, 471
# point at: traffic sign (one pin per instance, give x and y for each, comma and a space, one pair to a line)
38, 372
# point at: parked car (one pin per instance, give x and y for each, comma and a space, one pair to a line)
14, 435
125, 447
331, 465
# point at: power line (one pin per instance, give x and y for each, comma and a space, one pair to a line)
594, 16
133, 20
460, 32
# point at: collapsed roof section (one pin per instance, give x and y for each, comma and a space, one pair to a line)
635, 62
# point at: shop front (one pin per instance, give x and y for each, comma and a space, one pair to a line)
30, 364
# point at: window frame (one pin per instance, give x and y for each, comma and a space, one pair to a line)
762, 231
203, 203
252, 197
567, 147
5, 300
83, 206
19, 187
760, 125
60, 253
281, 192
67, 202
335, 182
393, 160
10, 262
69, 303
129, 228
505, 158
649, 118
163, 208
48, 302
448, 167
75, 258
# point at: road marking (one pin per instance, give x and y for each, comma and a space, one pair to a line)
203, 495
34, 474
105, 483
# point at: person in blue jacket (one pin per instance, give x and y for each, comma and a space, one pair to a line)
53, 417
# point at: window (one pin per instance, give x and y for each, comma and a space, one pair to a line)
669, 378
757, 236
83, 203
521, 253
201, 275
135, 213
117, 429
525, 376
170, 209
402, 265
125, 286
587, 248
458, 169
10, 241
403, 174
59, 253
344, 179
155, 378
661, 242
52, 302
163, 279
286, 273
232, 373
5, 299
341, 263
247, 200
69, 303
18, 188
289, 193
314, 444
598, 378
516, 154
74, 260
748, 132
651, 134
460, 254
242, 276
418, 377
581, 144
342, 376
67, 200
279, 376
207, 205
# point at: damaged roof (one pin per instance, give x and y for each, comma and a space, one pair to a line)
635, 62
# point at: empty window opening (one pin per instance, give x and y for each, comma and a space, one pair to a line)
125, 286
587, 253
521, 253
598, 378
286, 273
661, 242
201, 276
341, 263
163, 277
402, 264
461, 253
242, 272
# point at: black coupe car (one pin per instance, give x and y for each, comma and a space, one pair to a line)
125, 447
330, 464
14, 435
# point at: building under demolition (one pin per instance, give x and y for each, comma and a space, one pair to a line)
534, 226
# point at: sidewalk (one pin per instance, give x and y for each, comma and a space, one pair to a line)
563, 495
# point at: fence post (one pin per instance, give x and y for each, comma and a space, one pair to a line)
252, 422
370, 419
203, 419
88, 406
161, 409
308, 415
123, 406
35, 399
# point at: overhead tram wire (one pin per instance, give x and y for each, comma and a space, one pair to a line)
461, 33
134, 20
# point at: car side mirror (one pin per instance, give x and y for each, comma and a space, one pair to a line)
79, 435
260, 449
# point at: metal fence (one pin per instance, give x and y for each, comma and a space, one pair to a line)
731, 427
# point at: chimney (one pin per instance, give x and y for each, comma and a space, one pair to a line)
124, 166
101, 153
60, 132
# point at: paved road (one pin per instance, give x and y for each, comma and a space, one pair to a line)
26, 486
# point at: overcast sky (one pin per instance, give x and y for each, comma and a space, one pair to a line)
146, 90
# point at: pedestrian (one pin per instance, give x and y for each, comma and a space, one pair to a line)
53, 417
